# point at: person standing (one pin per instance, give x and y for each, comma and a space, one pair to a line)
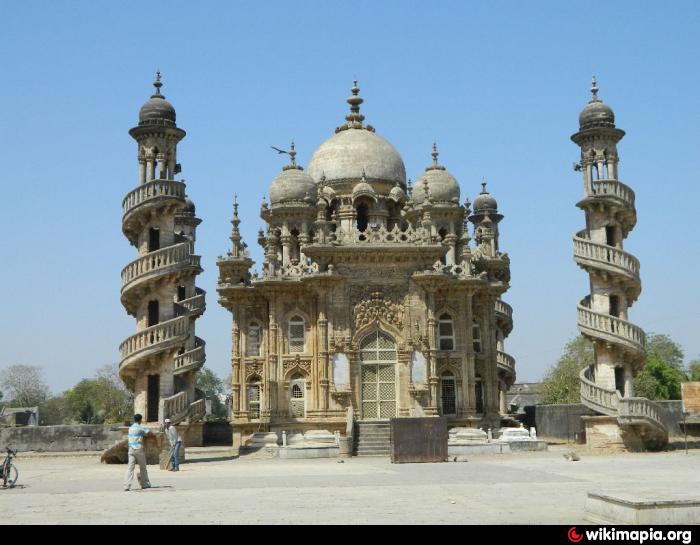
137, 454
175, 444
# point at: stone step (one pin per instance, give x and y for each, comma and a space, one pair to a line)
386, 436
367, 442
374, 453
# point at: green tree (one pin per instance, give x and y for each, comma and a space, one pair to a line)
101, 399
213, 387
25, 385
663, 372
694, 370
53, 411
561, 384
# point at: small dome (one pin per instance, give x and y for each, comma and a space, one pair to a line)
363, 189
356, 147
292, 184
442, 186
397, 194
485, 201
190, 209
157, 110
596, 113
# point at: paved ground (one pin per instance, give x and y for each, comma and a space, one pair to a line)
212, 488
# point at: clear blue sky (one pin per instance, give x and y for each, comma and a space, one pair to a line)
498, 84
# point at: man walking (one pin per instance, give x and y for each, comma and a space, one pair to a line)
137, 454
175, 444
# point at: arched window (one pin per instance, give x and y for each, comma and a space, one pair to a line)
448, 393
476, 337
446, 333
297, 404
254, 400
296, 333
362, 217
253, 344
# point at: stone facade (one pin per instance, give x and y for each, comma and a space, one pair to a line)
160, 361
372, 295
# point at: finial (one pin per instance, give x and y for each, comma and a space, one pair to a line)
235, 205
157, 84
435, 154
293, 154
594, 90
364, 177
354, 118
483, 186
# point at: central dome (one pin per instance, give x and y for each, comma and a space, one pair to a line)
348, 153
354, 150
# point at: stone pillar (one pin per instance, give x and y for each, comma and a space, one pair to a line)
502, 399
150, 168
323, 349
432, 353
272, 401
142, 170
286, 240
235, 365
161, 166
470, 370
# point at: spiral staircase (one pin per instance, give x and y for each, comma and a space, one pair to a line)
615, 283
167, 267
159, 362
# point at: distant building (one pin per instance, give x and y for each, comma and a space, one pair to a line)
19, 416
524, 394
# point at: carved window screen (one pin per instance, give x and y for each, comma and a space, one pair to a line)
296, 335
253, 344
446, 334
378, 356
448, 394
254, 401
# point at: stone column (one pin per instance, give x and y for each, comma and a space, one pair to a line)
502, 399
469, 384
323, 348
150, 167
272, 362
286, 241
142, 170
432, 353
235, 365
161, 166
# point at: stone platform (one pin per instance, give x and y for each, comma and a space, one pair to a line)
644, 506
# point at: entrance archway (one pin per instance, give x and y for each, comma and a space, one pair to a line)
378, 361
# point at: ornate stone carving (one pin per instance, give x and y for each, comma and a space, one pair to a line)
303, 364
253, 368
378, 308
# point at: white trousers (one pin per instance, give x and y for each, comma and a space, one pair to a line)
137, 456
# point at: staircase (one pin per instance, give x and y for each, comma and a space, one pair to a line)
372, 438
636, 413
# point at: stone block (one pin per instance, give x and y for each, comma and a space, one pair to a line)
644, 506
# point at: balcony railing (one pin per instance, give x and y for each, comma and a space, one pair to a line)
155, 189
154, 335
191, 358
504, 308
610, 256
613, 188
160, 259
505, 360
611, 327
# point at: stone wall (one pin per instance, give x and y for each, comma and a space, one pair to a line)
61, 438
562, 422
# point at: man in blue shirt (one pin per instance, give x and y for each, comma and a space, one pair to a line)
137, 454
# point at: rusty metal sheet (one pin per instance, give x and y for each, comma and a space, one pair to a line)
690, 393
418, 440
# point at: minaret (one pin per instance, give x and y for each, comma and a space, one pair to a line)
160, 361
608, 387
